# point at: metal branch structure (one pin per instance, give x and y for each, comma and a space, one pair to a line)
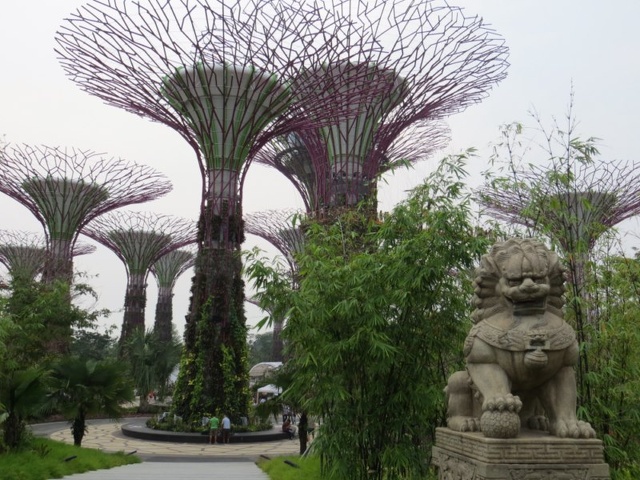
291, 156
23, 253
139, 239
281, 228
574, 211
65, 188
166, 270
227, 76
438, 60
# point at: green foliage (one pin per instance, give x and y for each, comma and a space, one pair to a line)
91, 344
151, 362
614, 364
377, 325
43, 459
260, 348
23, 394
84, 387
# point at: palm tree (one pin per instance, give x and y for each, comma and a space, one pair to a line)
151, 361
23, 393
86, 387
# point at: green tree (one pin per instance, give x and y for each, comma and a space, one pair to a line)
377, 325
89, 343
151, 362
85, 387
260, 348
23, 394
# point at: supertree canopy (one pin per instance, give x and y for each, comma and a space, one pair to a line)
227, 76
281, 228
439, 62
291, 155
573, 209
166, 270
25, 253
139, 239
65, 188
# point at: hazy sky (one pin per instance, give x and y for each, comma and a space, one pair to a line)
589, 43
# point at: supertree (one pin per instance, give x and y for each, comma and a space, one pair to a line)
227, 76
281, 228
439, 61
25, 253
65, 188
139, 239
166, 270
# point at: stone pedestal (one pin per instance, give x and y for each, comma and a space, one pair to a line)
532, 456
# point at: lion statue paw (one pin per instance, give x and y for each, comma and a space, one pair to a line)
506, 403
464, 424
572, 429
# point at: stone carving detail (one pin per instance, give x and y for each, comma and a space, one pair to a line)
451, 468
520, 354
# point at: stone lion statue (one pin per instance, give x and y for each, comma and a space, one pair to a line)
520, 354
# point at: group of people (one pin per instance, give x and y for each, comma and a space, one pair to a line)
215, 428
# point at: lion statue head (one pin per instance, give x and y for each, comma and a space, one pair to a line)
521, 277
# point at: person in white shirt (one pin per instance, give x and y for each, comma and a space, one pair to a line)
226, 428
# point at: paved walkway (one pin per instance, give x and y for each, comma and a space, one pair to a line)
167, 460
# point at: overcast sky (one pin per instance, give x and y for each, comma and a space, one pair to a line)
553, 43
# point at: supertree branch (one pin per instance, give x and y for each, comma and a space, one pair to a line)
65, 188
279, 228
25, 253
139, 239
166, 270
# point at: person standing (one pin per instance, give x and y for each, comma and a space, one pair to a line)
214, 424
226, 428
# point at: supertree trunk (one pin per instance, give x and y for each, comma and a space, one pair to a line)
135, 303
166, 271
163, 325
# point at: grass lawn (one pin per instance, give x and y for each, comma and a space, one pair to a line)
308, 468
44, 459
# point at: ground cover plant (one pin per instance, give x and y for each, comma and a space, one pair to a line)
291, 467
42, 459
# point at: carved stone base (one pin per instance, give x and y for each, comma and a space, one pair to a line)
532, 456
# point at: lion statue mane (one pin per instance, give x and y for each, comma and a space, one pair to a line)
520, 354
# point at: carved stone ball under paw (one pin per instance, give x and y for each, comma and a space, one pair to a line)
496, 424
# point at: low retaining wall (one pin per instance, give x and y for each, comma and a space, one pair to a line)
139, 429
